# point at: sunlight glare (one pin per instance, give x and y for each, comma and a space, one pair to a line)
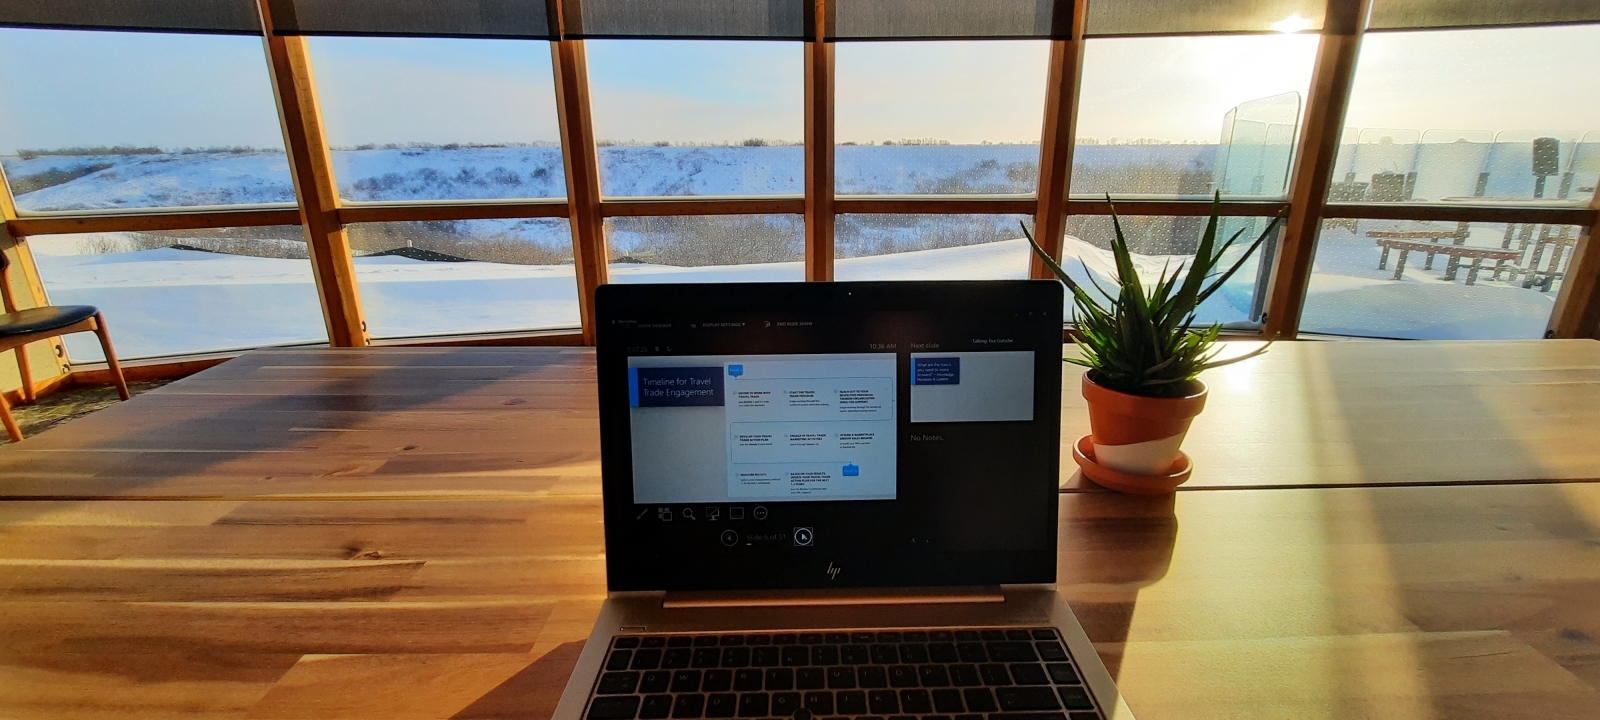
1292, 24
1239, 376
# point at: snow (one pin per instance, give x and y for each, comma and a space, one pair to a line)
397, 175
518, 172
1349, 295
168, 301
139, 181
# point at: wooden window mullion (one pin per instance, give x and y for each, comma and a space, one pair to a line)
1331, 79
311, 165
1577, 310
1057, 141
580, 158
819, 150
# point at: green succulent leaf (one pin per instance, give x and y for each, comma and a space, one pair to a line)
1143, 340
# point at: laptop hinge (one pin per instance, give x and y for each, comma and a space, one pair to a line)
829, 596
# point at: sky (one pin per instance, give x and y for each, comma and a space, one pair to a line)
75, 88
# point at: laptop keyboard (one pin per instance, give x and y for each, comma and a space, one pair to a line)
943, 674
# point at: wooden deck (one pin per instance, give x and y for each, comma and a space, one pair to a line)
1396, 530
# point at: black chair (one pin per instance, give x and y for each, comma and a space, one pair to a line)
20, 327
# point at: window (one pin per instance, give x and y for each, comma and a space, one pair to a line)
105, 120
1436, 281
939, 118
185, 291
1161, 243
1488, 116
930, 247
486, 128
1186, 116
706, 248
465, 276
698, 117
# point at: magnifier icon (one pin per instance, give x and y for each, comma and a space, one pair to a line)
688, 513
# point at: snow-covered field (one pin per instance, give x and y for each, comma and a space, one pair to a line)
170, 301
165, 301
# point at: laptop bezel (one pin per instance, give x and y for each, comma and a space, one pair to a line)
625, 302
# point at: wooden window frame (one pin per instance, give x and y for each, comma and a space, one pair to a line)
1332, 77
820, 206
1577, 310
1057, 140
323, 215
316, 190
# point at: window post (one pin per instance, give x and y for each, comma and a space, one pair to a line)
311, 166
1058, 139
819, 152
1577, 310
1331, 80
582, 164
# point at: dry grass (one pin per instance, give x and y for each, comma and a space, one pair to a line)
57, 408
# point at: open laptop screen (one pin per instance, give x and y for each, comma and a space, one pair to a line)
760, 436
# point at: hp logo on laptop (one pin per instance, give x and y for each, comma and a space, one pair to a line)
833, 572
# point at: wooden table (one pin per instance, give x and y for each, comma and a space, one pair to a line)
1383, 530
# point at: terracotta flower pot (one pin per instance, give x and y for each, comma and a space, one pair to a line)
1139, 435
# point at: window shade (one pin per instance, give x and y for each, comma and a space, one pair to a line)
708, 19
199, 16
414, 18
948, 19
1174, 17
1408, 14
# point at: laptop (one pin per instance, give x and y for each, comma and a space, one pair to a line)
833, 500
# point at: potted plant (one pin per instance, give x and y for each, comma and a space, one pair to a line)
1144, 357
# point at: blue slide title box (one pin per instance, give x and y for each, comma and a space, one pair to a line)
936, 371
675, 387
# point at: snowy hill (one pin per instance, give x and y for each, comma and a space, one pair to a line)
250, 290
137, 180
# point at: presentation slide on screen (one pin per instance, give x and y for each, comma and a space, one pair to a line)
729, 428
972, 386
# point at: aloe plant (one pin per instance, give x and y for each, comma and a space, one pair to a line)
1143, 341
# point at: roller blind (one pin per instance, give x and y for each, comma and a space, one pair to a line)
768, 19
198, 16
1409, 14
948, 19
1176, 17
711, 19
420, 18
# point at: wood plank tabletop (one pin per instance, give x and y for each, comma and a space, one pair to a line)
1392, 530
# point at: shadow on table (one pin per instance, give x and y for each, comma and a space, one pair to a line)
532, 693
1493, 582
1110, 546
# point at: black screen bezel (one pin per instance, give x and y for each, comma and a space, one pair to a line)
630, 568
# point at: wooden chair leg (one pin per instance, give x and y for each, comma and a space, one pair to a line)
10, 422
111, 355
26, 373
